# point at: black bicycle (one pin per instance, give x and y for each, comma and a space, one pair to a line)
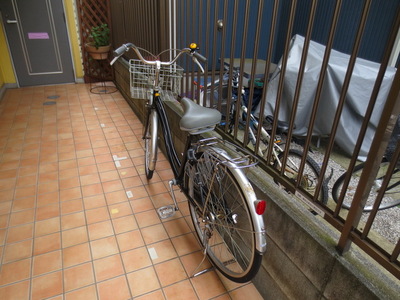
225, 211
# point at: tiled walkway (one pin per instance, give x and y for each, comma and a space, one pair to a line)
77, 216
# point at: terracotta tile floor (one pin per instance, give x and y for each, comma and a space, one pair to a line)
77, 216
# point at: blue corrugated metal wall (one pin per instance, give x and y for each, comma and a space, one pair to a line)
379, 24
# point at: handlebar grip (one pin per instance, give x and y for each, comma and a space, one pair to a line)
200, 57
119, 51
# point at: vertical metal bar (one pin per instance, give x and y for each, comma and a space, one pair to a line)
205, 48
162, 29
185, 38
391, 110
296, 95
124, 37
345, 86
154, 7
396, 252
173, 20
280, 91
140, 19
382, 188
222, 60
392, 106
281, 80
267, 67
370, 108
322, 76
208, 6
179, 10
145, 42
241, 67
253, 75
231, 57
179, 36
200, 42
151, 41
214, 49
153, 27
193, 34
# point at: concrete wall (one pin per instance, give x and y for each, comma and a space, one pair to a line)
301, 261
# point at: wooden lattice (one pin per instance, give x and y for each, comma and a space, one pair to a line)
93, 13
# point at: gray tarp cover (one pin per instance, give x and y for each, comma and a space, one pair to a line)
358, 95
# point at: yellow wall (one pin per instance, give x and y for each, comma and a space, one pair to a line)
73, 28
6, 70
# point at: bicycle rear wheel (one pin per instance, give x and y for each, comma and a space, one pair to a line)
311, 172
390, 198
222, 218
150, 144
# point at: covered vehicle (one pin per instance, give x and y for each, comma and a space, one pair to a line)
357, 98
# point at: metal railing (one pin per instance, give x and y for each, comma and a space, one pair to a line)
230, 32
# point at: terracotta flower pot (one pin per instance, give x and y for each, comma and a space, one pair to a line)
98, 53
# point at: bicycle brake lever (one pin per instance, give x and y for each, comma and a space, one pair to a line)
197, 62
114, 60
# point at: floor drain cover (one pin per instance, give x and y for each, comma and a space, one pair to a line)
53, 97
49, 103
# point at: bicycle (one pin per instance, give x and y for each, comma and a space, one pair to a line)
311, 171
226, 214
386, 183
386, 180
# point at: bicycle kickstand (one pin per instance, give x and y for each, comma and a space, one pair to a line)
196, 273
169, 210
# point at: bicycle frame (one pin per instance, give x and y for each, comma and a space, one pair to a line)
157, 114
276, 149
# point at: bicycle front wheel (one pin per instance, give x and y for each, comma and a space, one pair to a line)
390, 198
309, 179
222, 218
150, 144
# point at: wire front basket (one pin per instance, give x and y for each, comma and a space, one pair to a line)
142, 78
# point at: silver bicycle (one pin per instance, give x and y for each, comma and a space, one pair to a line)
219, 91
225, 211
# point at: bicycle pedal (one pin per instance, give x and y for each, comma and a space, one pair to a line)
166, 212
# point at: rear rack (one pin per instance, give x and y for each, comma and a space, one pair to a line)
228, 153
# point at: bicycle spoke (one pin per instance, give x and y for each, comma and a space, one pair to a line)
223, 220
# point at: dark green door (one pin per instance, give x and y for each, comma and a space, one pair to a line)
38, 40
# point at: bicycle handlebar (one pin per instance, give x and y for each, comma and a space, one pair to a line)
200, 57
190, 51
119, 51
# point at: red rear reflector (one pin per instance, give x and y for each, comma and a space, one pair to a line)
260, 207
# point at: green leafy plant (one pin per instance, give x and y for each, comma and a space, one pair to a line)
100, 36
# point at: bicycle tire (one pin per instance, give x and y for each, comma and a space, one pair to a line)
310, 173
150, 144
224, 227
390, 199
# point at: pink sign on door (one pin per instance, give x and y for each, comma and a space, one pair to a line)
38, 35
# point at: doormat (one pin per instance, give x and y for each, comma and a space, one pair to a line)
49, 103
53, 97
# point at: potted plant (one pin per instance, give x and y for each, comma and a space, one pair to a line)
99, 42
